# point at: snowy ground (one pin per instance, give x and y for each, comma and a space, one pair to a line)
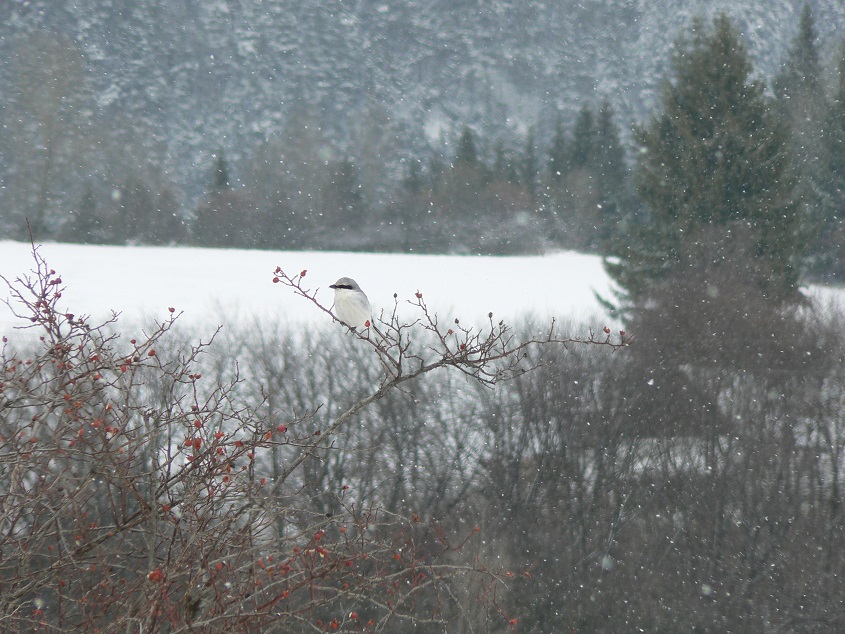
214, 285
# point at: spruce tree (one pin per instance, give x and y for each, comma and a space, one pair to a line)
557, 153
802, 101
530, 169
829, 187
801, 72
583, 138
607, 161
504, 169
608, 156
466, 154
85, 222
220, 182
714, 172
414, 179
834, 149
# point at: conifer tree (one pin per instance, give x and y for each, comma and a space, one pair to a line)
557, 153
714, 172
529, 164
414, 179
466, 154
801, 71
802, 101
220, 182
84, 224
341, 201
225, 218
828, 183
608, 156
582, 138
607, 161
834, 148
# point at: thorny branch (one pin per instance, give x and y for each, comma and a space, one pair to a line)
408, 349
488, 355
132, 496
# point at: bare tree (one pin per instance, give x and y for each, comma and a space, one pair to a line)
139, 493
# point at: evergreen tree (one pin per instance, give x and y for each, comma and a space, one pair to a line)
414, 179
801, 73
834, 148
829, 187
165, 226
226, 218
530, 169
220, 182
437, 170
607, 161
582, 138
135, 208
557, 153
608, 156
504, 170
713, 170
341, 200
802, 101
84, 224
466, 154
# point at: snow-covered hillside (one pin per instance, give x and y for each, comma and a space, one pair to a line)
212, 286
196, 76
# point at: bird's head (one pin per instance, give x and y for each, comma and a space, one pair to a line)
346, 284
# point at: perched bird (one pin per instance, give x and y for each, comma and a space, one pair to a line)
351, 304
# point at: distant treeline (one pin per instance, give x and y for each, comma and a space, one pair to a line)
575, 186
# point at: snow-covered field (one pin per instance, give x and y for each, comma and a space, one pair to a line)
213, 286
216, 285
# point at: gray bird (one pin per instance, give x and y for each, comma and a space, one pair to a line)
351, 304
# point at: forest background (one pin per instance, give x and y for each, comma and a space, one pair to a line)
297, 478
